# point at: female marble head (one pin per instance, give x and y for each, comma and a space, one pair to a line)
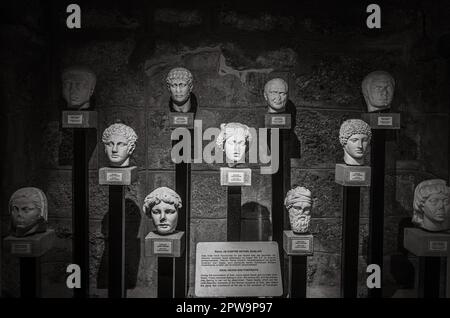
162, 205
354, 137
120, 142
78, 86
28, 209
378, 90
235, 138
431, 205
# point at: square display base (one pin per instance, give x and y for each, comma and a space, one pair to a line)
298, 244
30, 246
352, 176
235, 177
282, 121
117, 176
423, 243
79, 119
171, 245
382, 120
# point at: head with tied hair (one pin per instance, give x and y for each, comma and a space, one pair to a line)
298, 202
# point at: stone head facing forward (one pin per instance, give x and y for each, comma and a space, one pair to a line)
354, 136
120, 142
180, 83
235, 138
162, 205
431, 205
78, 87
276, 95
378, 90
28, 209
298, 203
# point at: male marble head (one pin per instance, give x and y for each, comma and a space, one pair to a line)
298, 202
276, 94
162, 205
180, 84
431, 205
378, 90
235, 138
120, 142
354, 137
78, 87
28, 209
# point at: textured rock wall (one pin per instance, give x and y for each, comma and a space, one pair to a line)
231, 52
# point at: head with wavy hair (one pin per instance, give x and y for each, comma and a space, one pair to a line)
235, 139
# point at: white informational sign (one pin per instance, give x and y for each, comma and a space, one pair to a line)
75, 119
278, 120
357, 176
114, 176
301, 245
237, 269
162, 247
385, 121
236, 177
440, 246
180, 120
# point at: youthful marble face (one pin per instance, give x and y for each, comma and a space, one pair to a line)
275, 93
165, 217
24, 213
356, 146
235, 145
118, 150
77, 89
437, 208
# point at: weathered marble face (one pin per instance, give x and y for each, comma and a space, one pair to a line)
300, 216
24, 213
275, 93
355, 149
235, 144
437, 208
118, 150
165, 217
78, 87
180, 90
378, 90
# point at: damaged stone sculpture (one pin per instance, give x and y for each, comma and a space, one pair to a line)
275, 94
180, 83
298, 203
431, 205
162, 205
235, 138
28, 209
378, 90
78, 87
120, 142
354, 137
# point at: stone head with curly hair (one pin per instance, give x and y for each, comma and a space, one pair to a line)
235, 138
120, 142
180, 83
354, 136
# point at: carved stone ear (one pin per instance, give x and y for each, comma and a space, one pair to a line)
132, 148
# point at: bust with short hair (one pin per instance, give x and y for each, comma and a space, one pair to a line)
180, 83
378, 90
28, 209
431, 205
275, 94
354, 137
78, 86
298, 202
120, 142
235, 138
162, 205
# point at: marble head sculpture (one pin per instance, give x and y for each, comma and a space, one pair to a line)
431, 205
180, 84
298, 202
28, 209
275, 94
120, 142
78, 87
378, 90
235, 138
354, 137
162, 205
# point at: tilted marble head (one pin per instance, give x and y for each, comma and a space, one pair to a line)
431, 205
378, 90
180, 84
298, 202
120, 142
28, 209
276, 94
162, 205
78, 86
354, 137
235, 138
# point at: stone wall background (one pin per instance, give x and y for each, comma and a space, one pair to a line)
322, 49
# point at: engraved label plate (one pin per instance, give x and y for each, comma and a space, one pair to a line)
357, 176
162, 247
385, 121
114, 176
440, 246
20, 248
75, 119
301, 245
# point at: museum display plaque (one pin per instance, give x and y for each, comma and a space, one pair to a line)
282, 121
117, 176
171, 245
382, 120
352, 176
178, 119
238, 269
235, 177
79, 119
298, 244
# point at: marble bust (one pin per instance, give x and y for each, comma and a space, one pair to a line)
378, 90
354, 137
78, 87
275, 94
28, 209
180, 83
162, 205
431, 205
235, 138
298, 203
120, 142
